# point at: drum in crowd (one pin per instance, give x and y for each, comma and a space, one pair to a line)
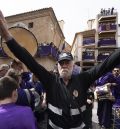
116, 116
104, 92
24, 37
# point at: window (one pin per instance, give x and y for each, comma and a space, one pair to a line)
30, 25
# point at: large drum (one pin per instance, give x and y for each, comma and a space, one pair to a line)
104, 92
25, 38
116, 117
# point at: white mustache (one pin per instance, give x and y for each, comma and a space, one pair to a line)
64, 70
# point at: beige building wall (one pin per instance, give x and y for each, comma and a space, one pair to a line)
47, 62
77, 47
61, 23
67, 47
119, 35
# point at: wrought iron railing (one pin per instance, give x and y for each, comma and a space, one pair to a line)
42, 50
107, 42
88, 41
107, 27
88, 56
47, 50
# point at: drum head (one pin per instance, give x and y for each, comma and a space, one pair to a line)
25, 38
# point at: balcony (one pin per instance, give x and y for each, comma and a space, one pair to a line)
43, 50
107, 42
47, 50
102, 56
88, 56
88, 41
106, 28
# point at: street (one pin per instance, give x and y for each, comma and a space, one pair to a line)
94, 116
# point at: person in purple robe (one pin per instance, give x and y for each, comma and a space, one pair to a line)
116, 91
25, 96
105, 102
25, 81
13, 116
31, 98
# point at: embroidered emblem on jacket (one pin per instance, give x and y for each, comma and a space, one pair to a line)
75, 93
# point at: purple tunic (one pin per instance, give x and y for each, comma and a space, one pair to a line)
105, 117
16, 117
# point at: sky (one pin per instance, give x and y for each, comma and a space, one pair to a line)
74, 13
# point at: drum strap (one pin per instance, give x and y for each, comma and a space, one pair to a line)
28, 96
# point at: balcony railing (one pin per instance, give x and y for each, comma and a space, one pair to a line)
107, 42
47, 50
88, 56
107, 27
102, 56
43, 50
88, 41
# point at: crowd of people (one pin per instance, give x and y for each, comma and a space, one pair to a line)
30, 93
69, 96
110, 11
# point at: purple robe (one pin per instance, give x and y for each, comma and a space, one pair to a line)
16, 117
25, 82
104, 110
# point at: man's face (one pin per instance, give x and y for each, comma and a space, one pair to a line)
17, 67
3, 72
116, 71
65, 68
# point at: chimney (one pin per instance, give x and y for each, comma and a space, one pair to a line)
91, 23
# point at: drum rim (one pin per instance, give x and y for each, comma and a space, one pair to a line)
24, 29
1, 40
